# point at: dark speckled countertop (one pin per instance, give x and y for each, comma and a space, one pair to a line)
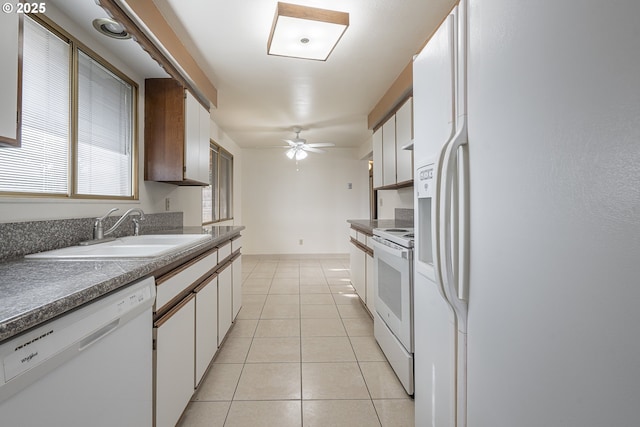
34, 291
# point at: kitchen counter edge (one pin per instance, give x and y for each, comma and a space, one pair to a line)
101, 276
368, 225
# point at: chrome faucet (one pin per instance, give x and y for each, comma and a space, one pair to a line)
98, 230
98, 227
136, 221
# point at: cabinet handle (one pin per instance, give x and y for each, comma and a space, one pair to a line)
206, 281
174, 310
181, 268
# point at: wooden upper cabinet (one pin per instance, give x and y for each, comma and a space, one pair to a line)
404, 137
176, 135
10, 86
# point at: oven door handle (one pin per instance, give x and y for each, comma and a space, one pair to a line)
379, 246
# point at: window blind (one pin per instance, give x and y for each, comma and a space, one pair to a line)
40, 164
105, 134
226, 179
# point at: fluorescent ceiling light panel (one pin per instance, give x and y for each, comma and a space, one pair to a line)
306, 32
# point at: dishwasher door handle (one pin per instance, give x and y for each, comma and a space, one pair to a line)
99, 334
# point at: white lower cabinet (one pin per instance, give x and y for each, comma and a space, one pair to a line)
370, 302
236, 270
174, 362
225, 298
361, 265
206, 325
358, 279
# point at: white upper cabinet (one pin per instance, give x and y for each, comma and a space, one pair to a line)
377, 158
196, 147
9, 52
393, 166
404, 137
389, 151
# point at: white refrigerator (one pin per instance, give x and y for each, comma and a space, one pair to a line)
527, 179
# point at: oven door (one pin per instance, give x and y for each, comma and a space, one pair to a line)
393, 278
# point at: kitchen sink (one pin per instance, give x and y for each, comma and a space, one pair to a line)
127, 247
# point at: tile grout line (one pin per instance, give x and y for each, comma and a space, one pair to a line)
244, 363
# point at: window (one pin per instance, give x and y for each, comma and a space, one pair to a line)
217, 198
78, 127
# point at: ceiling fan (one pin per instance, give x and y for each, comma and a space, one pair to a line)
298, 147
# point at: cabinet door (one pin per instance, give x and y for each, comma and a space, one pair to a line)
206, 325
357, 267
192, 138
389, 151
236, 270
404, 136
203, 159
175, 362
371, 297
225, 301
377, 158
9, 49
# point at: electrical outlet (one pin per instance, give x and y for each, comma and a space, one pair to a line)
167, 204
301, 242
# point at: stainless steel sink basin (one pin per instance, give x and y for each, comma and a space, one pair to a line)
127, 247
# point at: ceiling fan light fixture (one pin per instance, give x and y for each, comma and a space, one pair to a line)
291, 153
305, 32
301, 155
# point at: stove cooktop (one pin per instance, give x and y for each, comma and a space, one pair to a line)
401, 236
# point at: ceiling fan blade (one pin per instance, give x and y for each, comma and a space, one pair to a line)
290, 142
321, 144
313, 150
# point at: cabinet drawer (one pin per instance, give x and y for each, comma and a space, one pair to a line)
171, 285
236, 243
362, 238
224, 251
353, 233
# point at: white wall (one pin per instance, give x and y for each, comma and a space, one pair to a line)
281, 206
389, 200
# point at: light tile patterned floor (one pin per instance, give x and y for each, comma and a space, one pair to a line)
301, 353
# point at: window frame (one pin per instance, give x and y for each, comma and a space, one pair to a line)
213, 146
75, 47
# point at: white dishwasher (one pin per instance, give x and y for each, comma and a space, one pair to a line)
92, 366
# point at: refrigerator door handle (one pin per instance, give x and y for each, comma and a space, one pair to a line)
453, 221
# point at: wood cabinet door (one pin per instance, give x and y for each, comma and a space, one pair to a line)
175, 362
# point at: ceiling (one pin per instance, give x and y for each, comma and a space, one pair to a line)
261, 97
